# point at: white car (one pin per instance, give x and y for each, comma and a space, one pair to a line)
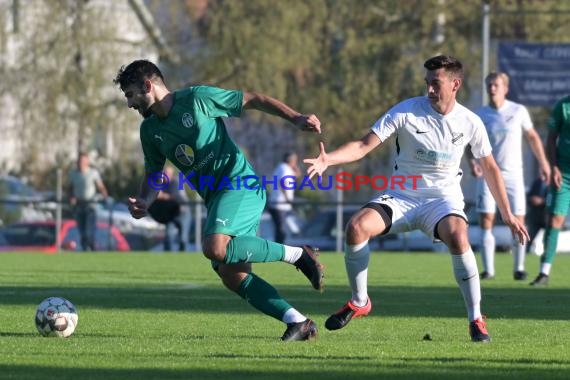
321, 232
21, 202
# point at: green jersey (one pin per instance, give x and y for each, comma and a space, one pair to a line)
559, 122
194, 138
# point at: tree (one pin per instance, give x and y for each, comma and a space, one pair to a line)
347, 62
58, 76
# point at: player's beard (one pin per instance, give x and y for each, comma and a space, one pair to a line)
146, 113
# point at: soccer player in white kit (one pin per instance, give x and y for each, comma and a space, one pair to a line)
506, 123
431, 133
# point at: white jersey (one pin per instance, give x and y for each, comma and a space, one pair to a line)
279, 197
431, 145
505, 129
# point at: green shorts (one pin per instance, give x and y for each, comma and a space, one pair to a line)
235, 212
558, 201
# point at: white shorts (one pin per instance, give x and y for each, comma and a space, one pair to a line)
419, 213
515, 193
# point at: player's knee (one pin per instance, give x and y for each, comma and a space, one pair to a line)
216, 252
356, 232
458, 242
233, 275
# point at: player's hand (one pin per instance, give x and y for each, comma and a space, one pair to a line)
319, 164
476, 170
309, 123
137, 207
545, 173
556, 179
518, 229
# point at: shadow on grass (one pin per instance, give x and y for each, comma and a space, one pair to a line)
392, 370
519, 303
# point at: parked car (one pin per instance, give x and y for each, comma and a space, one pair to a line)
321, 230
415, 240
21, 202
293, 226
40, 237
117, 214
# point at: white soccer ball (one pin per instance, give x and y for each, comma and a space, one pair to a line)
56, 316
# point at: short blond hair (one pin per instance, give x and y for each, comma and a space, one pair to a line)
497, 74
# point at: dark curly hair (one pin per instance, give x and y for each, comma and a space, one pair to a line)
136, 73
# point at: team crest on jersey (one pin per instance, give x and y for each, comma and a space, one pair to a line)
187, 120
184, 154
457, 138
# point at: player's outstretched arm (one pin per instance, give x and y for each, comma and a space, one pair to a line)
349, 152
492, 175
267, 104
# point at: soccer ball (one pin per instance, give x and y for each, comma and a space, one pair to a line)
56, 316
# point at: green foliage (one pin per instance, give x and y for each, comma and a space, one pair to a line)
346, 62
149, 316
61, 83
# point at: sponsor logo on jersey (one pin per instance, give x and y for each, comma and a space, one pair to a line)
184, 154
434, 157
187, 120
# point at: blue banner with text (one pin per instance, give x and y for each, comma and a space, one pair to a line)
539, 73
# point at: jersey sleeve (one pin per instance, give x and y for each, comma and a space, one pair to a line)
556, 119
389, 123
154, 160
526, 121
217, 102
480, 144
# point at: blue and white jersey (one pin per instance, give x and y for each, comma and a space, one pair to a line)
505, 128
431, 145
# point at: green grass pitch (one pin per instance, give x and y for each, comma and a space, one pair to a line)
167, 316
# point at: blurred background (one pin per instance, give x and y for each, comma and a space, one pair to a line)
348, 62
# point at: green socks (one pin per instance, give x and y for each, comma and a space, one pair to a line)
253, 249
550, 244
263, 297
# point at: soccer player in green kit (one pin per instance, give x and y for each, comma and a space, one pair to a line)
186, 127
558, 198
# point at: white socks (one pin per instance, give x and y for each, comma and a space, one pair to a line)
293, 316
488, 251
467, 277
292, 254
519, 252
356, 260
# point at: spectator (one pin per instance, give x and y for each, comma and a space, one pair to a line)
536, 204
282, 194
84, 181
178, 229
